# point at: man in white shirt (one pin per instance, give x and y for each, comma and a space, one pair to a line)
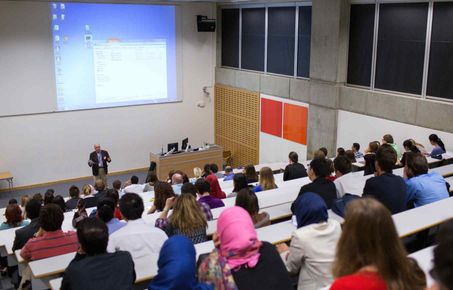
141, 240
134, 187
346, 182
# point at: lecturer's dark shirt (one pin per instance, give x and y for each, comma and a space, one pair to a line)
389, 189
321, 186
293, 171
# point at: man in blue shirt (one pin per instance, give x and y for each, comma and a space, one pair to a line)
423, 187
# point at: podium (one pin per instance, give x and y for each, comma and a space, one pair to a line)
186, 161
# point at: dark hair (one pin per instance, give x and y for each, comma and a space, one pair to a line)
388, 138
99, 185
117, 184
442, 271
134, 179
416, 164
13, 215
324, 149
12, 201
240, 182
48, 196
202, 186
386, 157
342, 164
51, 217
341, 151
356, 146
59, 200
189, 188
250, 172
131, 206
33, 208
74, 191
206, 170
293, 157
38, 197
374, 146
106, 209
152, 177
319, 167
247, 200
214, 168
162, 191
434, 138
350, 155
111, 193
409, 144
93, 236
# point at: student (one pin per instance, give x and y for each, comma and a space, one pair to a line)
350, 155
247, 199
186, 219
312, 249
113, 194
356, 150
38, 197
51, 240
366, 260
177, 181
240, 260
266, 180
409, 146
116, 184
442, 271
294, 169
134, 187
387, 187
319, 184
370, 157
59, 200
140, 239
422, 187
439, 147
74, 193
32, 209
345, 182
215, 170
14, 218
88, 269
229, 174
105, 212
162, 191
152, 179
240, 182
324, 150
204, 190
88, 196
341, 152
191, 189
250, 174
48, 196
213, 182
177, 266
388, 139
23, 201
99, 189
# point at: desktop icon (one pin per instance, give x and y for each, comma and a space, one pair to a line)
56, 27
62, 16
57, 38
62, 6
54, 16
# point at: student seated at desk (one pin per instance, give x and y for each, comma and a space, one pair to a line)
48, 196
151, 181
250, 173
409, 146
266, 180
387, 187
14, 217
88, 196
229, 174
442, 271
32, 209
59, 200
247, 199
294, 169
50, 240
74, 194
370, 157
204, 192
137, 237
105, 211
177, 266
186, 219
215, 170
370, 255
177, 180
356, 150
422, 187
319, 184
162, 191
439, 147
214, 182
312, 249
134, 187
93, 268
240, 260
240, 182
388, 139
345, 181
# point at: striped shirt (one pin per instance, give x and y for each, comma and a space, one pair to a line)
50, 244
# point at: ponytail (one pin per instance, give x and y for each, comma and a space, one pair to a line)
434, 138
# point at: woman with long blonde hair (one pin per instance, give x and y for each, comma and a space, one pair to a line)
266, 180
370, 255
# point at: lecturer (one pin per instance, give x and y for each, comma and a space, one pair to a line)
98, 163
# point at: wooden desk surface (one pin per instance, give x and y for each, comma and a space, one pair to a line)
5, 175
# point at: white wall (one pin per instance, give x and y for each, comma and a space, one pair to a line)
49, 147
360, 128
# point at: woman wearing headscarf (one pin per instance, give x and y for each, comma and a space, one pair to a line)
177, 266
313, 244
240, 260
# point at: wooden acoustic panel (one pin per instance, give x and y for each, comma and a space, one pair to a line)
237, 114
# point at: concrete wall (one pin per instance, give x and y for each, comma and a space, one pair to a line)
326, 91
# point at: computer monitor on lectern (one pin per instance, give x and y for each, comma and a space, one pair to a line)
171, 146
